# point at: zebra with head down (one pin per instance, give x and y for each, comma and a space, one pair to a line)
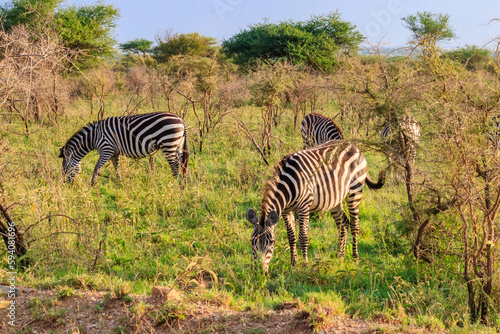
312, 180
134, 136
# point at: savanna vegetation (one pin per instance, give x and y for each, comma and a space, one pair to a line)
429, 238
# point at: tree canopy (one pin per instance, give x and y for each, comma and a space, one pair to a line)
193, 44
435, 27
34, 14
138, 46
315, 42
88, 29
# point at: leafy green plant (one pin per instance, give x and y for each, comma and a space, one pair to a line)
65, 292
312, 42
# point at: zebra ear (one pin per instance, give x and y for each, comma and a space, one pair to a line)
61, 152
252, 216
272, 218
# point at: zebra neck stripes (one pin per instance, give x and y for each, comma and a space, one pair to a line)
77, 147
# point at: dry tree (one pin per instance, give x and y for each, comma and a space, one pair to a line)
31, 67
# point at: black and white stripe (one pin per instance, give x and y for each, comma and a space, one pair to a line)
403, 142
312, 180
317, 129
136, 136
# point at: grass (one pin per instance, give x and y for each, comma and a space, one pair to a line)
148, 229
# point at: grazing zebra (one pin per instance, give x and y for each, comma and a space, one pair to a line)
317, 129
134, 136
404, 145
312, 180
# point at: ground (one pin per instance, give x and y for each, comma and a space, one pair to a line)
75, 311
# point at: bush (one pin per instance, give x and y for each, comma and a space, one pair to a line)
314, 42
472, 57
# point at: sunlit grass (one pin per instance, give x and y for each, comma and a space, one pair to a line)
148, 228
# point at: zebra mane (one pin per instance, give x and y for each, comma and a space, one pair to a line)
273, 180
89, 125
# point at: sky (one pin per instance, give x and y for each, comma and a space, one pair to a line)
378, 20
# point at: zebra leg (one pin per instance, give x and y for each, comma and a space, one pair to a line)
303, 228
292, 239
172, 159
115, 161
353, 201
103, 158
342, 223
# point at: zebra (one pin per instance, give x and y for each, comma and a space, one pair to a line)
134, 136
312, 180
404, 144
317, 129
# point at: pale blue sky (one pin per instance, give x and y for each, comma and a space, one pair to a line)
376, 19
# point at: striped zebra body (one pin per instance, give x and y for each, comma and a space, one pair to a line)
317, 129
403, 143
312, 180
136, 136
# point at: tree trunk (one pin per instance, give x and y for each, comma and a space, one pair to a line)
19, 244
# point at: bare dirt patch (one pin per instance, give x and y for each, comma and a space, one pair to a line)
43, 311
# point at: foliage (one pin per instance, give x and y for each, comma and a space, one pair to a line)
315, 42
472, 56
85, 29
137, 46
456, 169
192, 44
147, 229
88, 29
34, 14
431, 26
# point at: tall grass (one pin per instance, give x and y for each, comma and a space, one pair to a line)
148, 228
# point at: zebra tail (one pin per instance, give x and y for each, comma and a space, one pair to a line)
376, 185
185, 151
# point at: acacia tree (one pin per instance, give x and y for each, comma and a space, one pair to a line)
192, 44
464, 164
137, 46
315, 42
454, 192
468, 165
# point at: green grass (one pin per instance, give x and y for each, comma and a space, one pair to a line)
147, 229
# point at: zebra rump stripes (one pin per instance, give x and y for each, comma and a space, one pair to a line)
317, 129
134, 136
317, 179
